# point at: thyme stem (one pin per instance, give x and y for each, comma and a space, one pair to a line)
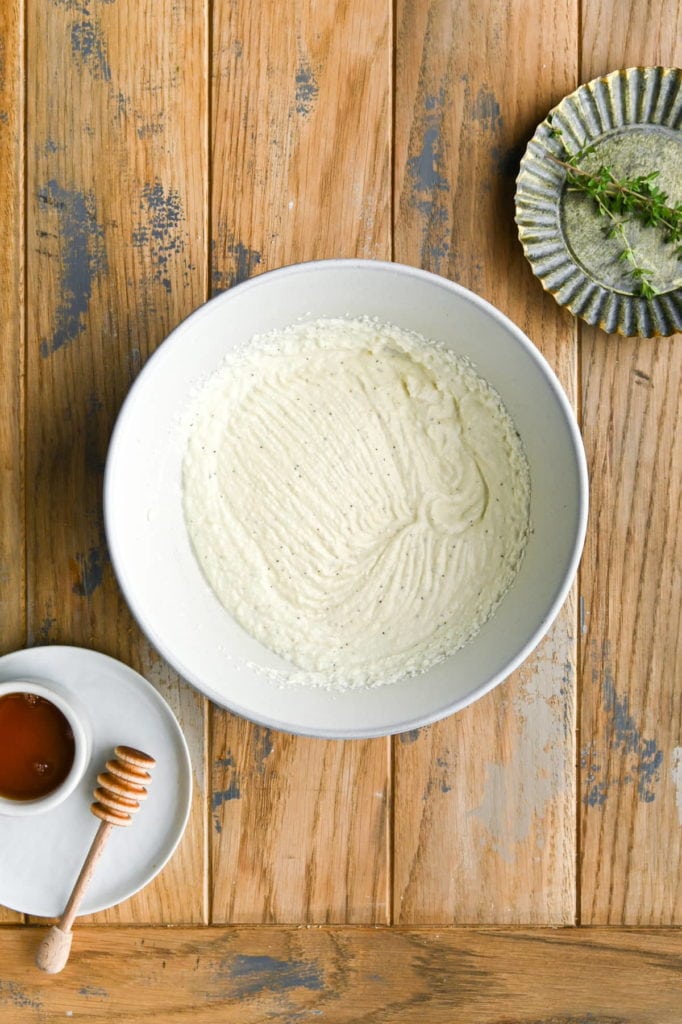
638, 198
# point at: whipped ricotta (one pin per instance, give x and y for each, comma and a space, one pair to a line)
357, 497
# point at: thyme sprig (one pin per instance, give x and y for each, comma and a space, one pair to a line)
638, 198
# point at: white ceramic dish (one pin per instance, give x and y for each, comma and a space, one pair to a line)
148, 541
40, 856
78, 721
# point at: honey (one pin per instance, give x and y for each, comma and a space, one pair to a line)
37, 747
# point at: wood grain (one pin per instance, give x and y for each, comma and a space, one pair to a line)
12, 541
301, 125
248, 975
628, 33
123, 240
485, 801
300, 169
300, 828
117, 189
631, 737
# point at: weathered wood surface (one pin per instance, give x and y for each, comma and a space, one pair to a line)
154, 153
116, 169
12, 534
631, 717
299, 827
391, 975
485, 801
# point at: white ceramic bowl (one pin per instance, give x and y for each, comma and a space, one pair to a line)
150, 549
75, 715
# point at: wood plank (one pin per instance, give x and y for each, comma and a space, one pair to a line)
300, 170
628, 34
301, 129
12, 537
485, 801
631, 715
117, 143
245, 975
300, 827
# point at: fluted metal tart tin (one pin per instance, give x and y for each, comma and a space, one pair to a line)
631, 120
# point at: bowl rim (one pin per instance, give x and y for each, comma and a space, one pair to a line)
449, 708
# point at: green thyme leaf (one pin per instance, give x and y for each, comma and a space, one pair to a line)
620, 200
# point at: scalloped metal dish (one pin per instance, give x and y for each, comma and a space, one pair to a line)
632, 118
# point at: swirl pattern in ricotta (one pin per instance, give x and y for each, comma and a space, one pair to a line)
357, 497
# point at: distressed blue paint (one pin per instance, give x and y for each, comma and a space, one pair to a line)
232, 792
307, 89
253, 974
12, 994
432, 102
642, 757
46, 629
218, 285
80, 6
93, 991
428, 186
152, 128
88, 48
161, 233
83, 256
596, 790
134, 362
87, 42
411, 736
443, 783
94, 405
51, 146
221, 796
486, 110
91, 567
262, 743
243, 262
596, 795
624, 730
424, 167
649, 770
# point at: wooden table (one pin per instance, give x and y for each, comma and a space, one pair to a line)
156, 153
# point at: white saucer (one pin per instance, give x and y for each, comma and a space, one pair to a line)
41, 855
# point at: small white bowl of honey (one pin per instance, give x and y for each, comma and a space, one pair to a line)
45, 746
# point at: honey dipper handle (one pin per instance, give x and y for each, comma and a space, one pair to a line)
86, 873
53, 951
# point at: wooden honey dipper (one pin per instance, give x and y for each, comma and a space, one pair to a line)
120, 788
